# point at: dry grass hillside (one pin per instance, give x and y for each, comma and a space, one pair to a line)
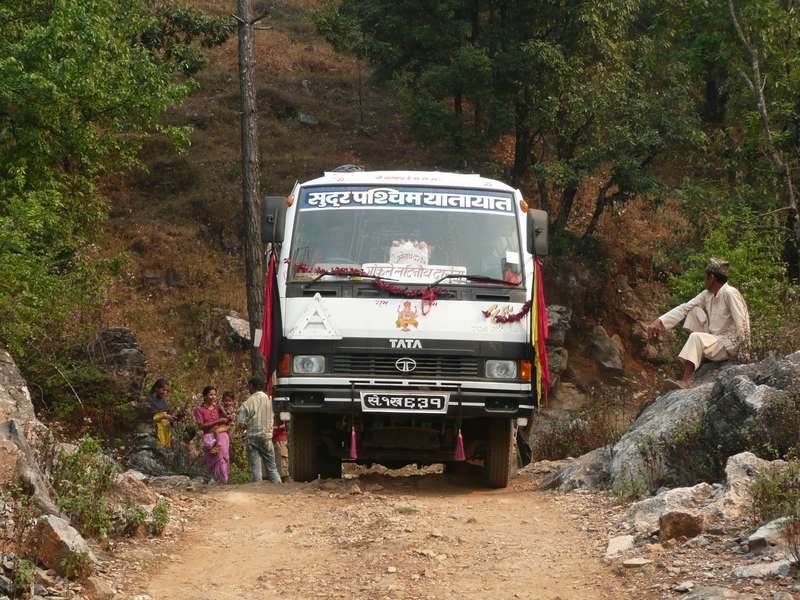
179, 223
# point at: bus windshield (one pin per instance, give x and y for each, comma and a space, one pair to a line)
410, 234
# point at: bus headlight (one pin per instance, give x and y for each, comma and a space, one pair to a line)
501, 369
304, 364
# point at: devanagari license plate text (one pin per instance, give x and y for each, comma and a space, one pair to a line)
403, 403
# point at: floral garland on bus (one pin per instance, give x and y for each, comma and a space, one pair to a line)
526, 308
428, 295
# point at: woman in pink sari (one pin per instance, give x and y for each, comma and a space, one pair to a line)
216, 443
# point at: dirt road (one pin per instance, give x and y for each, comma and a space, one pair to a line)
377, 536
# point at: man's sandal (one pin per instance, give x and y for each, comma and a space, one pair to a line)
671, 384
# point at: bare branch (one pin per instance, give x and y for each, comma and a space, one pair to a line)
257, 19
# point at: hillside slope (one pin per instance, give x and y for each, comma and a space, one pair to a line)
179, 224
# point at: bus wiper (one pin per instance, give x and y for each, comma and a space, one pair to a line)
475, 279
362, 275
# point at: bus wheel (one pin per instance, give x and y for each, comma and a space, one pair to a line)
330, 466
497, 464
303, 447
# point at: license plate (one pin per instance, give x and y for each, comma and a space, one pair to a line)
398, 402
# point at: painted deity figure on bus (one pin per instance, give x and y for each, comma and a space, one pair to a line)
406, 317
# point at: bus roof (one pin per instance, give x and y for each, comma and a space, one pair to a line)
434, 178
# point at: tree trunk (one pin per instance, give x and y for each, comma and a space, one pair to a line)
565, 210
756, 84
523, 142
251, 195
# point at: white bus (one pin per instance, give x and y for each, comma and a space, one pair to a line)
406, 320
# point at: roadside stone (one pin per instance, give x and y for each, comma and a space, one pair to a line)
681, 522
605, 351
238, 330
618, 545
125, 487
644, 515
740, 472
98, 588
636, 563
52, 540
353, 490
170, 482
778, 568
684, 586
588, 471
45, 578
713, 593
768, 535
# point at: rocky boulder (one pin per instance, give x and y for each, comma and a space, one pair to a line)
724, 396
19, 429
15, 400
116, 351
53, 542
18, 464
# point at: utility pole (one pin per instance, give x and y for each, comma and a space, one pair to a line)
251, 193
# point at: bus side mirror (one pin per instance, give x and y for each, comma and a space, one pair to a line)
273, 219
537, 232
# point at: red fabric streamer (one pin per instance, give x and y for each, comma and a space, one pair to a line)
271, 324
543, 331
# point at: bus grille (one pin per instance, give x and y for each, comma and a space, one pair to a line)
427, 367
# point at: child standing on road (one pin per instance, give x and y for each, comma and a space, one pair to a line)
281, 448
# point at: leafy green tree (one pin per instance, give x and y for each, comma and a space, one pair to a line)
578, 86
746, 55
82, 84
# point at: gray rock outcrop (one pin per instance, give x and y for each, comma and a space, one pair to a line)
605, 351
15, 400
117, 352
17, 463
724, 396
18, 429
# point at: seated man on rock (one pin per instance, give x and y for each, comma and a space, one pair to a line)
717, 319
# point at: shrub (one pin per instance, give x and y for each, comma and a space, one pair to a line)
592, 430
629, 487
160, 516
77, 565
775, 432
776, 494
651, 450
686, 453
240, 468
22, 576
81, 480
24, 515
132, 518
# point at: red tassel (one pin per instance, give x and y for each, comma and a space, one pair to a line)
353, 451
460, 447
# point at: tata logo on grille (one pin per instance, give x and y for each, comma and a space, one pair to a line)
406, 365
405, 343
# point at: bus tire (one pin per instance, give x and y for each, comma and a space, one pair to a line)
497, 464
303, 447
330, 466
